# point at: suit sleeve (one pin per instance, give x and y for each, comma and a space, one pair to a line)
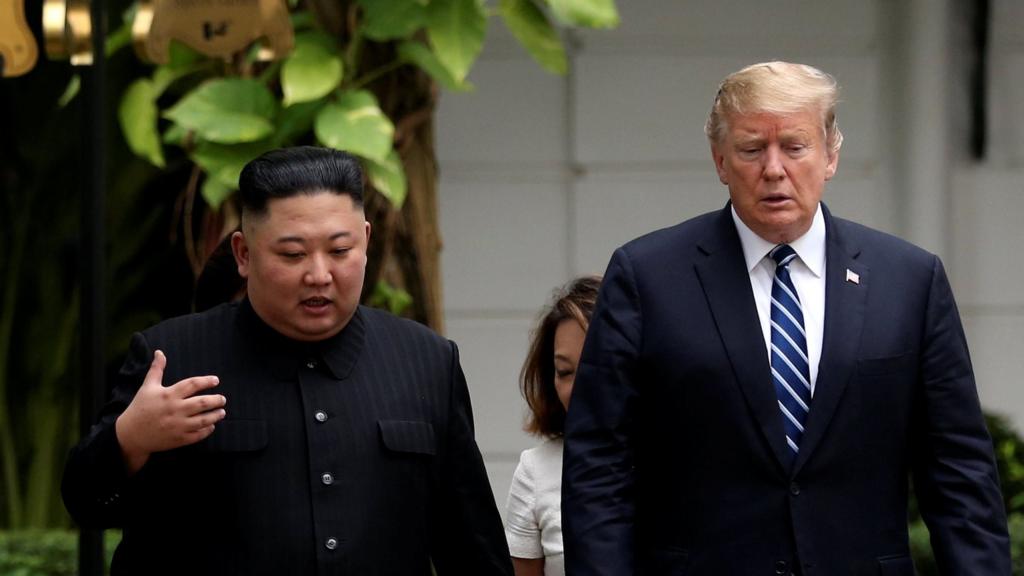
598, 474
954, 469
95, 487
467, 537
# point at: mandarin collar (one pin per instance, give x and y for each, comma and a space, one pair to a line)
336, 355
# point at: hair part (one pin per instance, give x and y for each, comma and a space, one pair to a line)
288, 172
575, 301
776, 88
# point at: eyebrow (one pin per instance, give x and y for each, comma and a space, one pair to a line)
300, 239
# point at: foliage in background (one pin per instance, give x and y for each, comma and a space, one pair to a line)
46, 552
363, 78
41, 174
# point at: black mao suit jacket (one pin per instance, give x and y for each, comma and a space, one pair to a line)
355, 455
675, 450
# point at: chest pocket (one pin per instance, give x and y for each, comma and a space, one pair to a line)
236, 436
408, 436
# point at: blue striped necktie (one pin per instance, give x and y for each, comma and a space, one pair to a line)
790, 368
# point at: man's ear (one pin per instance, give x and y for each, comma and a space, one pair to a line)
240, 248
719, 160
367, 232
833, 164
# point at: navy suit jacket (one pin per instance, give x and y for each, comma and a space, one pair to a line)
675, 451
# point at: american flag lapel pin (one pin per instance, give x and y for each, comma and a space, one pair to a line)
852, 276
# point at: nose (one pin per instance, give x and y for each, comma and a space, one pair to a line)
773, 168
319, 273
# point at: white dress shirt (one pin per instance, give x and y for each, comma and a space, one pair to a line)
808, 274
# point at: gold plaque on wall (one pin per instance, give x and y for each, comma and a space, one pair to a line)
67, 28
216, 28
18, 51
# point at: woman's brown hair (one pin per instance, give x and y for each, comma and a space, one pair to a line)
574, 301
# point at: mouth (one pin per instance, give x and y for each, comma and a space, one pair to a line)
316, 303
776, 199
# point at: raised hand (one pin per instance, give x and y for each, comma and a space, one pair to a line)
161, 418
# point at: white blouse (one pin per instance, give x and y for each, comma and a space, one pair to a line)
533, 519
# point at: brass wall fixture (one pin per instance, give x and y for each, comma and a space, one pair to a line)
67, 28
18, 51
216, 28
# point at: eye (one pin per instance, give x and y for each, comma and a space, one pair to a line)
339, 251
564, 373
292, 255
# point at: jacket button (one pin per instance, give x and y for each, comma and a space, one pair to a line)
781, 567
320, 416
311, 364
794, 489
331, 543
327, 479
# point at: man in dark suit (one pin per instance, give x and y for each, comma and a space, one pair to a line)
757, 383
295, 432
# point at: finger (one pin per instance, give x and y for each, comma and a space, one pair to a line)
197, 435
190, 386
156, 368
202, 403
204, 420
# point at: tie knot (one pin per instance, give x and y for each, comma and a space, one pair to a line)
783, 254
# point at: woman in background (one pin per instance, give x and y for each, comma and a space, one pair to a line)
533, 523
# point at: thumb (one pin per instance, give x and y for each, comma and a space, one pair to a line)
156, 369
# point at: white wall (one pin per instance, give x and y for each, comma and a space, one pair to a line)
543, 176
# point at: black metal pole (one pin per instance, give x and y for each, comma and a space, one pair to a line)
93, 261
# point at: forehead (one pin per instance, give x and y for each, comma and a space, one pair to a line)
310, 206
762, 124
309, 213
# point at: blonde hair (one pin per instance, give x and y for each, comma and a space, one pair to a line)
776, 88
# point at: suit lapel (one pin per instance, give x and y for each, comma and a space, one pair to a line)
726, 284
846, 287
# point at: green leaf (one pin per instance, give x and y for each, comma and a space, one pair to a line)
302, 20
586, 13
388, 178
391, 19
456, 30
215, 192
356, 124
227, 110
312, 70
224, 163
420, 55
74, 85
294, 121
182, 56
393, 299
534, 31
175, 135
118, 39
138, 116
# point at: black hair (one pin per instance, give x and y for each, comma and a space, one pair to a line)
288, 172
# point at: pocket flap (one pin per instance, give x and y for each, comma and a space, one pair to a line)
237, 436
900, 565
408, 436
887, 365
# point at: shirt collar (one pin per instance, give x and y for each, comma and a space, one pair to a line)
337, 354
810, 247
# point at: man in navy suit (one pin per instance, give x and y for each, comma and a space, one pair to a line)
758, 383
